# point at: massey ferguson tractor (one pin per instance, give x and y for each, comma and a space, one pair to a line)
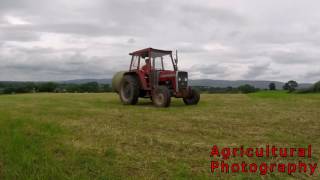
154, 74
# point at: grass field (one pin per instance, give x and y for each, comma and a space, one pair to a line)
93, 136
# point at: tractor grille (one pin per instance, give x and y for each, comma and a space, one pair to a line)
182, 79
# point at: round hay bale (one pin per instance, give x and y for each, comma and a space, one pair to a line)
116, 80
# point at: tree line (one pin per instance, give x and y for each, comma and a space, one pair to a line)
94, 87
313, 89
32, 87
246, 88
290, 86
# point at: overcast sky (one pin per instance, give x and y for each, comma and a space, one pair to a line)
217, 39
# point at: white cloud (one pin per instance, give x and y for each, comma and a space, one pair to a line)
272, 40
15, 20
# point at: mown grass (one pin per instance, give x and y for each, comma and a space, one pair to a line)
93, 136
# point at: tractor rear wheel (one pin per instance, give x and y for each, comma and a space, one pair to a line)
193, 98
161, 97
129, 90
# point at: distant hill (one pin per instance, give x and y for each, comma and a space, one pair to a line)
237, 83
205, 82
81, 81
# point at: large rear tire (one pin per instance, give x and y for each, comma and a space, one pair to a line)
193, 98
161, 97
129, 90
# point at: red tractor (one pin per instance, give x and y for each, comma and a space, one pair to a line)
154, 74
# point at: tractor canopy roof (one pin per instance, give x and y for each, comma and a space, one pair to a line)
145, 52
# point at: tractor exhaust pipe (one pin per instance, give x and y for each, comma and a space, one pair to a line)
176, 60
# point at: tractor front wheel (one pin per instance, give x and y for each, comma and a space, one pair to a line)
161, 97
193, 98
129, 90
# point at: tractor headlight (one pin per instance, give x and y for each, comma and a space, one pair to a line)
186, 79
179, 79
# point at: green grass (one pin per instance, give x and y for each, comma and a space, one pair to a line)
93, 136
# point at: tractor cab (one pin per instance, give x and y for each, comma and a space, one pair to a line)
154, 74
154, 67
159, 59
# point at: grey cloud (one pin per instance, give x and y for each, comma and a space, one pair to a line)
2, 21
81, 29
46, 51
186, 47
135, 12
255, 71
131, 41
34, 31
58, 68
247, 29
296, 57
313, 76
16, 33
206, 14
8, 5
209, 69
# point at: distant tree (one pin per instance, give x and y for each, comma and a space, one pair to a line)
247, 88
31, 87
290, 86
89, 87
72, 87
285, 86
16, 87
106, 88
48, 87
316, 87
21, 88
8, 90
28, 87
272, 86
